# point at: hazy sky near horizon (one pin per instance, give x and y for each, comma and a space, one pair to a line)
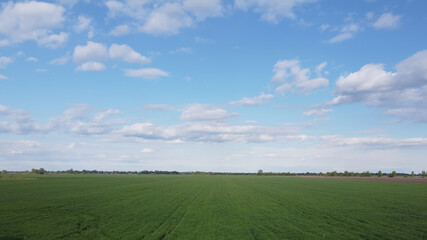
211, 85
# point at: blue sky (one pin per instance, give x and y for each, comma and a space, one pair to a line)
281, 85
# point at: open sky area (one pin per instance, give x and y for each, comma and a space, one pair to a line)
211, 85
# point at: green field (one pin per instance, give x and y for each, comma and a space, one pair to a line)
209, 207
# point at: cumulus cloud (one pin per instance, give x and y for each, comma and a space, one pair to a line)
76, 119
91, 66
204, 9
32, 20
19, 122
291, 77
129, 8
147, 73
273, 10
127, 54
92, 52
387, 21
208, 132
253, 101
83, 24
402, 93
167, 19
164, 18
3, 77
54, 40
120, 30
204, 112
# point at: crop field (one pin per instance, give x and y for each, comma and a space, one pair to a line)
209, 207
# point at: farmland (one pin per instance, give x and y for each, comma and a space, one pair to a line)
63, 206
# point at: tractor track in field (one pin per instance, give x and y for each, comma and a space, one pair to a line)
161, 224
183, 216
167, 219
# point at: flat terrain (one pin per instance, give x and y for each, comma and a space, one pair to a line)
209, 207
381, 179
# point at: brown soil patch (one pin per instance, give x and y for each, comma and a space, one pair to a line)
381, 179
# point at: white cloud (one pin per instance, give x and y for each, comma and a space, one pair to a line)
127, 54
32, 20
209, 131
324, 27
402, 93
346, 32
370, 15
19, 122
148, 150
60, 61
341, 37
41, 70
203, 40
290, 76
159, 107
186, 50
32, 59
166, 19
76, 120
374, 142
3, 77
203, 112
387, 21
147, 73
91, 66
204, 9
120, 30
54, 40
4, 61
4, 42
108, 112
320, 68
253, 101
317, 112
93, 51
272, 10
130, 8
83, 24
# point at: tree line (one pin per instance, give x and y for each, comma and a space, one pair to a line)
259, 173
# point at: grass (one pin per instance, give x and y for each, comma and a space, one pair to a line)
209, 207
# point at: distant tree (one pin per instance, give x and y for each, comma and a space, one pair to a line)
38, 171
260, 172
379, 174
412, 174
71, 171
4, 172
423, 173
393, 174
